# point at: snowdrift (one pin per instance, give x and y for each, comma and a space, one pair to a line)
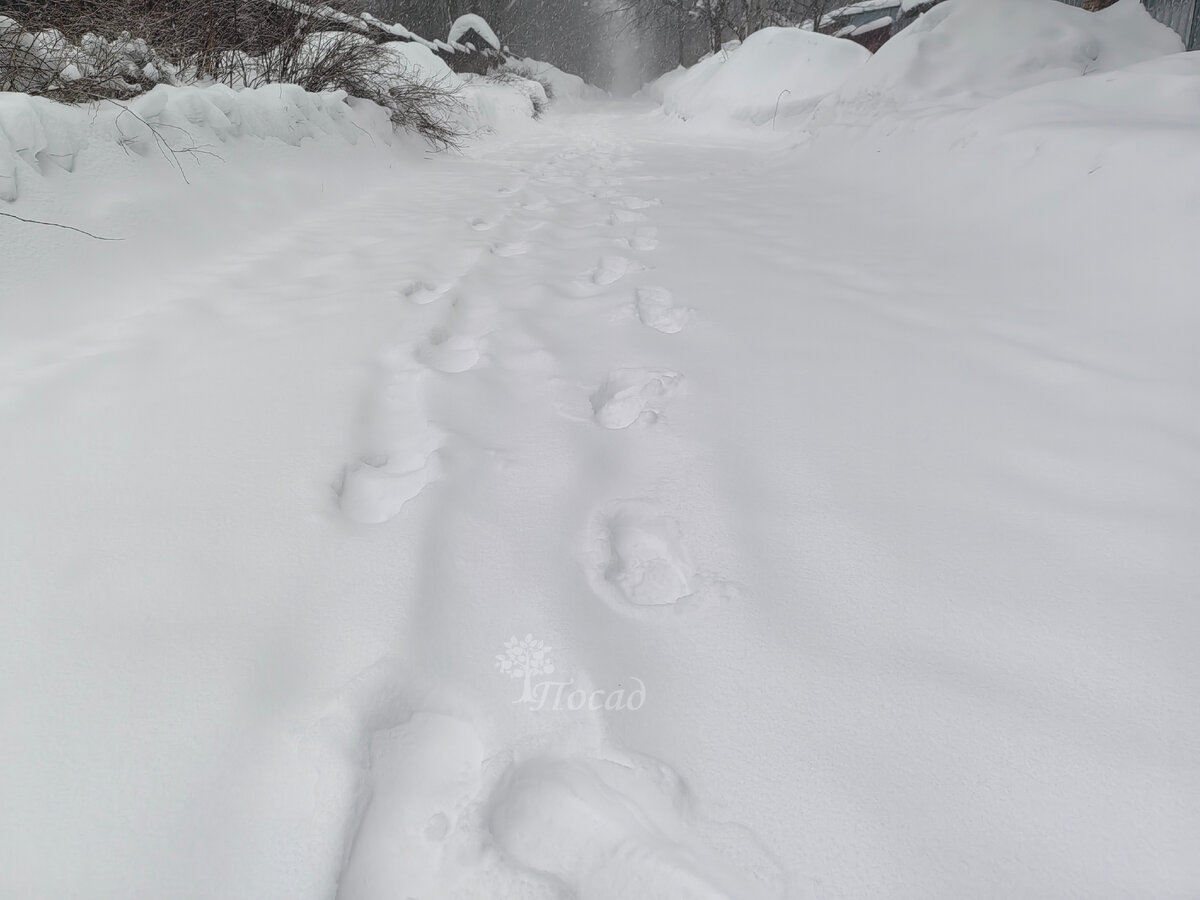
964, 53
189, 124
1034, 80
1151, 102
505, 104
563, 86
776, 70
40, 138
960, 56
488, 105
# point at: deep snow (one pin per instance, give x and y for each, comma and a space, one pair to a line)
776, 73
622, 510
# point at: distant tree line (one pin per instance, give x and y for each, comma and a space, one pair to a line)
586, 36
572, 34
720, 20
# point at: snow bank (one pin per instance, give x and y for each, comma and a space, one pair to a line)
189, 124
488, 106
563, 86
1121, 123
498, 106
1153, 98
1033, 80
418, 62
965, 52
687, 81
657, 89
776, 70
39, 138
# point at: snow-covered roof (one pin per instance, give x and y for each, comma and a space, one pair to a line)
399, 31
857, 9
323, 13
867, 5
473, 22
873, 25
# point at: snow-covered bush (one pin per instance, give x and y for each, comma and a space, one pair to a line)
47, 63
535, 91
500, 103
242, 44
519, 69
487, 103
559, 86
321, 60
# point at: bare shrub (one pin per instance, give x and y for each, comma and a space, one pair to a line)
85, 50
47, 63
319, 60
428, 108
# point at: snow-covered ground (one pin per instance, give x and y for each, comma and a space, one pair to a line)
619, 510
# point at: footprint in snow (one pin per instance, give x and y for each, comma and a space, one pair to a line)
628, 395
655, 308
638, 556
449, 352
372, 492
422, 777
420, 292
610, 270
643, 239
624, 217
535, 203
511, 248
639, 203
481, 224
612, 830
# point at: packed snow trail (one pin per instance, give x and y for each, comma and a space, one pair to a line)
613, 515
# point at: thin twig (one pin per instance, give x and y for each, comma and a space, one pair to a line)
59, 225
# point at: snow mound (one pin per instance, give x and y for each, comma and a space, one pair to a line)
500, 106
39, 137
563, 86
472, 22
657, 89
965, 52
418, 62
487, 105
775, 73
1146, 116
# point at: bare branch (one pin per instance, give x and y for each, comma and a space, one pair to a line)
59, 225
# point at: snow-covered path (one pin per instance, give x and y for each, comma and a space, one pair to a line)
862, 530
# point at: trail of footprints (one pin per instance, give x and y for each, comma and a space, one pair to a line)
605, 827
400, 447
635, 556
